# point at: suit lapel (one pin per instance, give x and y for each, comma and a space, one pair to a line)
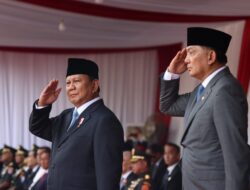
190, 105
175, 171
81, 121
196, 106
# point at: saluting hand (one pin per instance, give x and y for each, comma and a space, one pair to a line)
178, 64
49, 94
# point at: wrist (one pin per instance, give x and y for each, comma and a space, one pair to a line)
40, 103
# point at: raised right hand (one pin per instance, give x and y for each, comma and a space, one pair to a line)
178, 64
49, 94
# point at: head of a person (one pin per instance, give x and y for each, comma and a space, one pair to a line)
140, 162
171, 154
45, 158
39, 152
32, 160
127, 155
156, 152
206, 51
20, 155
8, 154
82, 81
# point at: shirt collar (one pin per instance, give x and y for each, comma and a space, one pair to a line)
211, 76
171, 168
125, 175
85, 105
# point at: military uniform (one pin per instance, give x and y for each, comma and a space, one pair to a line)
8, 169
143, 182
19, 175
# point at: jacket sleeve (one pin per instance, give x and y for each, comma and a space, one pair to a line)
170, 102
39, 122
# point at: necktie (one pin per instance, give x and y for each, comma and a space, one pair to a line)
199, 92
75, 115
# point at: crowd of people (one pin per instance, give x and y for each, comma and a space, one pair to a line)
88, 149
21, 169
151, 167
144, 167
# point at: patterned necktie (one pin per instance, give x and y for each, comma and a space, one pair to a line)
199, 92
75, 115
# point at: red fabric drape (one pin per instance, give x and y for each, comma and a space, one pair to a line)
127, 14
165, 55
244, 64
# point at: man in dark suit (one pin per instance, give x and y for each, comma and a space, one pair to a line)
216, 154
33, 168
171, 179
40, 179
157, 164
86, 151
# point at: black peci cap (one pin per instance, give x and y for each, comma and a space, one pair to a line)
215, 39
82, 66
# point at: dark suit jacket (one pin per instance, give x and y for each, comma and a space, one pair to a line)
88, 157
29, 175
174, 180
157, 174
41, 183
215, 154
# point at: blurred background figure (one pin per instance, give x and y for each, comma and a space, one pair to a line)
127, 174
33, 167
8, 168
172, 178
18, 177
157, 163
39, 181
140, 166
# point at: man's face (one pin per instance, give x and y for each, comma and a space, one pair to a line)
171, 156
139, 166
19, 158
44, 160
38, 155
197, 61
6, 156
32, 161
126, 164
80, 89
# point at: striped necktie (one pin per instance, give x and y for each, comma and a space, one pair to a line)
75, 116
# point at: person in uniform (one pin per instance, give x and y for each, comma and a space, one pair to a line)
9, 167
18, 177
140, 163
127, 174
